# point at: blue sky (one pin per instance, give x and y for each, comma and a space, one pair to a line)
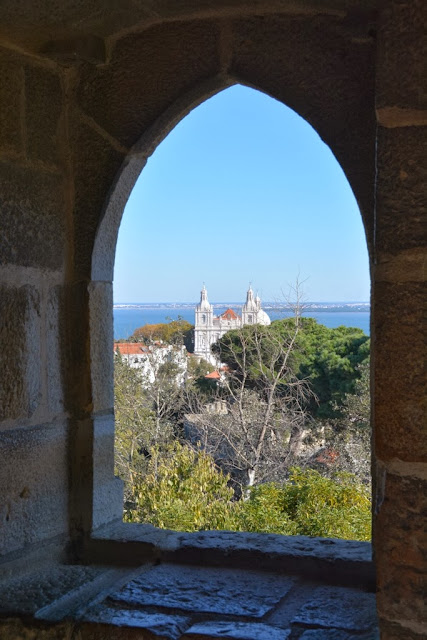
242, 190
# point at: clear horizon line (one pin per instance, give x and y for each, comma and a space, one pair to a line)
283, 304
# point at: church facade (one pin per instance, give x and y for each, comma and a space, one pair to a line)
209, 328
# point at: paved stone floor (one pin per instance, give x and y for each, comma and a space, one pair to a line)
176, 601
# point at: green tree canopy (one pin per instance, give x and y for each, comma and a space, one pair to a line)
328, 358
174, 332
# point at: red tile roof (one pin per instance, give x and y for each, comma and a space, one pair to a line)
213, 376
229, 314
130, 348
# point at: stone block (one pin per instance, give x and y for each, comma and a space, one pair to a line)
312, 65
32, 206
400, 55
106, 236
345, 561
400, 536
14, 628
338, 607
28, 593
101, 345
11, 83
107, 502
152, 69
401, 189
401, 520
159, 624
401, 596
235, 631
395, 631
20, 388
43, 105
337, 634
81, 474
96, 165
103, 448
55, 330
97, 496
205, 591
34, 482
78, 392
399, 382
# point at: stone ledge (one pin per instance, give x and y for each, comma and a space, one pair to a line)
347, 562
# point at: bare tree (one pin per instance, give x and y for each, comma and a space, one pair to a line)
260, 433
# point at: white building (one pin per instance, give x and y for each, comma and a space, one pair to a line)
148, 359
209, 328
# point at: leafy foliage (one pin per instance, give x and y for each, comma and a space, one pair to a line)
256, 434
174, 332
139, 423
350, 433
337, 507
183, 490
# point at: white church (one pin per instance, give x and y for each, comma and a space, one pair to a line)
209, 328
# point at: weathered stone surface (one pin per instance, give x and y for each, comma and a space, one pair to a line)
70, 51
106, 236
401, 28
324, 68
11, 83
15, 629
96, 165
20, 390
299, 545
339, 607
78, 388
32, 206
34, 483
43, 104
399, 381
401, 521
152, 69
401, 186
107, 489
337, 634
28, 593
268, 552
101, 338
99, 631
97, 495
401, 594
160, 624
400, 531
315, 60
235, 631
203, 590
396, 631
55, 339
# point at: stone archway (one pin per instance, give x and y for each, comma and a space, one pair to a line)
82, 87
215, 54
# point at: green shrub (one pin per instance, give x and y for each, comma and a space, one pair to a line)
183, 490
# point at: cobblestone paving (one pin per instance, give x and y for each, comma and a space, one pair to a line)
178, 602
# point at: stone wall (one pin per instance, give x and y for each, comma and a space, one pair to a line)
86, 97
398, 303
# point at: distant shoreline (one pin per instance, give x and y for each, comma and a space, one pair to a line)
131, 315
308, 306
